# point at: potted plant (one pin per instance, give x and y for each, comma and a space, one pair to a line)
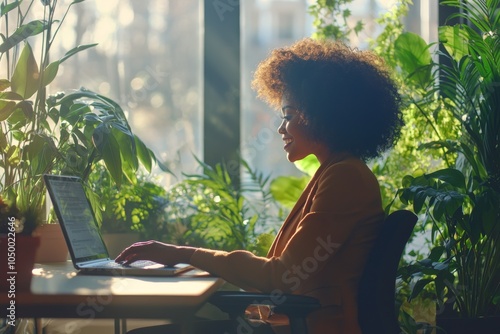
461, 203
18, 251
130, 213
69, 132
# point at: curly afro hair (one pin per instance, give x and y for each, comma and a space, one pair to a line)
347, 96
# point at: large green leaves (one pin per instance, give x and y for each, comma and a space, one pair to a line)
100, 125
6, 109
41, 153
109, 149
22, 33
412, 54
144, 154
308, 165
287, 189
443, 190
25, 80
455, 40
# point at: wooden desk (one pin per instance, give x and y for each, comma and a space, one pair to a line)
57, 291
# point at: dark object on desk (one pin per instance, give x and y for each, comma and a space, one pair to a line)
376, 300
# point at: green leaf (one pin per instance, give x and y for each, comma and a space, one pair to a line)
13, 155
407, 181
5, 8
41, 152
412, 53
496, 299
419, 200
436, 253
4, 84
287, 189
26, 76
75, 50
109, 149
17, 119
54, 115
451, 176
3, 145
79, 136
10, 96
144, 154
50, 73
127, 149
454, 39
439, 209
23, 32
419, 286
76, 1
308, 165
75, 113
27, 109
6, 109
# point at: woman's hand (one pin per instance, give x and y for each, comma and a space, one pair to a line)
155, 251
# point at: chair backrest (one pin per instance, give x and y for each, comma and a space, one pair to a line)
376, 298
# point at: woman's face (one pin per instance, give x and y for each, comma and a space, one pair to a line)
293, 131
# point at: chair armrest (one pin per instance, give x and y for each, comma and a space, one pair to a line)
235, 302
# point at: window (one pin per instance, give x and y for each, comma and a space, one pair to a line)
285, 25
261, 145
149, 60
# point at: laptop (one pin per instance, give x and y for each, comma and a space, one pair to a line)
86, 246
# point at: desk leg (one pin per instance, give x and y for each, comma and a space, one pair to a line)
38, 326
187, 327
120, 326
117, 326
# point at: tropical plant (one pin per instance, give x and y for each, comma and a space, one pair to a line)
287, 189
134, 207
208, 209
332, 19
421, 124
451, 115
65, 133
461, 203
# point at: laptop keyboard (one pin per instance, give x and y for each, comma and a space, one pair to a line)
136, 264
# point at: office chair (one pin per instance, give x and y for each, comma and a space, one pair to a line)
377, 293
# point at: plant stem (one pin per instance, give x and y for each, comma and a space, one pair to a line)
436, 131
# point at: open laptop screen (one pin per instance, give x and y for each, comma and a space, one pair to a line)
76, 217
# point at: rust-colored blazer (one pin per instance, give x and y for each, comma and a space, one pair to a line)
320, 250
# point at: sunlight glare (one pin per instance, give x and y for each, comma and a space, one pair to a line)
137, 83
104, 88
126, 15
109, 6
156, 100
387, 4
105, 33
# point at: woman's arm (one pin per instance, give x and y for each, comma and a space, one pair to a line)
156, 251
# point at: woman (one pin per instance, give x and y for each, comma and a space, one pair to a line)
341, 105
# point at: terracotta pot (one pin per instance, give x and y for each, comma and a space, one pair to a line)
52, 244
18, 259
